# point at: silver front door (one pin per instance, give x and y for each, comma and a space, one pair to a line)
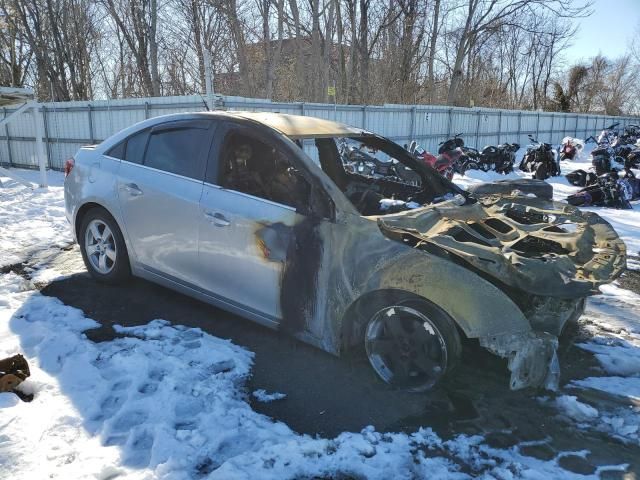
161, 214
243, 249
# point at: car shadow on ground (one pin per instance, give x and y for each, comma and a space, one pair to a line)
327, 395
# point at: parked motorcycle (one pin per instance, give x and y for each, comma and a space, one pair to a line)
570, 148
601, 157
449, 153
621, 149
539, 160
499, 158
630, 134
581, 178
633, 159
428, 158
608, 134
610, 190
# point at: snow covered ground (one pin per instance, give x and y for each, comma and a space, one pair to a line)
31, 220
166, 401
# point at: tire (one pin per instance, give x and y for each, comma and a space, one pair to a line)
412, 345
103, 249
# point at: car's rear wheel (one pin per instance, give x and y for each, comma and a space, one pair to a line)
103, 249
412, 345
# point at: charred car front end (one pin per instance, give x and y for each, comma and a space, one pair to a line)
547, 257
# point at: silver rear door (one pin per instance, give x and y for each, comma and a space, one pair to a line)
160, 196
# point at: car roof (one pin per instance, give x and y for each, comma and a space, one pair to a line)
300, 127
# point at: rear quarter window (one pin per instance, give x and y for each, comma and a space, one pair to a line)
118, 150
135, 147
131, 149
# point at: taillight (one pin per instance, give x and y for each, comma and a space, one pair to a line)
68, 166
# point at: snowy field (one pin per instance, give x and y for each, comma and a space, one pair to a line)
166, 401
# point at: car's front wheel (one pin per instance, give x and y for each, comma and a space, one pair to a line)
103, 248
412, 345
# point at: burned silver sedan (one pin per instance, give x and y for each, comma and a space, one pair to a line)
341, 238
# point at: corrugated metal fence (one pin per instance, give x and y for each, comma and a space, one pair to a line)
69, 125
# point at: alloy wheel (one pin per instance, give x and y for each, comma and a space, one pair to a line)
100, 246
405, 348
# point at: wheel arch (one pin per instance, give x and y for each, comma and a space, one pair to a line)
88, 206
83, 210
355, 319
477, 307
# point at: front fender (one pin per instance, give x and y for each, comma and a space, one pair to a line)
476, 305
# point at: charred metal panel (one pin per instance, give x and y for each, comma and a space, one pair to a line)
363, 261
539, 188
300, 287
551, 314
273, 241
532, 358
542, 247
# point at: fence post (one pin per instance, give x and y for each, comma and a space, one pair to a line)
538, 127
364, 117
499, 126
576, 130
564, 128
146, 110
449, 123
47, 143
477, 127
6, 132
35, 111
519, 126
586, 126
302, 109
412, 127
91, 136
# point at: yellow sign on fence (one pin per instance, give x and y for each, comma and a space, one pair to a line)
331, 91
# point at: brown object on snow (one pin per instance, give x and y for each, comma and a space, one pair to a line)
13, 371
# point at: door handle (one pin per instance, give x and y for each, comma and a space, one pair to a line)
133, 189
218, 219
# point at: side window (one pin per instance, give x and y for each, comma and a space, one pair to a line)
136, 144
132, 148
118, 150
251, 166
178, 149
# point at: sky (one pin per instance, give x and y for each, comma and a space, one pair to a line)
608, 30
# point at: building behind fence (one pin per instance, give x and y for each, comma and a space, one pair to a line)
69, 125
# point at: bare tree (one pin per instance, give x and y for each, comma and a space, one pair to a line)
485, 17
498, 53
137, 21
15, 52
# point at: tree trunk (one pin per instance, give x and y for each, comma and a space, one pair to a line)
433, 39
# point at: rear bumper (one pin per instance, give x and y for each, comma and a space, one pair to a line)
69, 209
